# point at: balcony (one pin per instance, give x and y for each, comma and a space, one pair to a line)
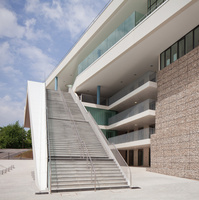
112, 39
149, 76
148, 104
133, 136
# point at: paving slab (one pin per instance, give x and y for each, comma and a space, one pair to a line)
11, 153
19, 184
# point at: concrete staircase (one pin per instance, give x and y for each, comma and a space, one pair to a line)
77, 159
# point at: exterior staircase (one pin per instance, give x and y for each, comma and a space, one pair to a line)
77, 159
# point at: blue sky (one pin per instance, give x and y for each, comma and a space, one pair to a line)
34, 36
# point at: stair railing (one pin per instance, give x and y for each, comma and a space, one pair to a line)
120, 160
72, 120
93, 173
110, 149
82, 143
48, 150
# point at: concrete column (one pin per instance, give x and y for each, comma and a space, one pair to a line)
56, 83
98, 94
127, 157
135, 157
146, 157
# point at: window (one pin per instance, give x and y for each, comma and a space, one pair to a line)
181, 48
153, 4
168, 57
189, 41
174, 52
196, 37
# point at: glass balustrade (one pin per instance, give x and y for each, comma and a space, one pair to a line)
112, 39
148, 104
149, 76
132, 136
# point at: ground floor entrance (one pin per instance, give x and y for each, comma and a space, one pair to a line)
137, 157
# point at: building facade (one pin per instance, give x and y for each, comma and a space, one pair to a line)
136, 70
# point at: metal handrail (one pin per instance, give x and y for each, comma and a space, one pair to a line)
82, 143
106, 147
48, 148
117, 155
72, 120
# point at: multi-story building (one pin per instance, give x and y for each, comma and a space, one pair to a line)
136, 70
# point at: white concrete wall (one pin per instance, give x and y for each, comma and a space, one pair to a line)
37, 111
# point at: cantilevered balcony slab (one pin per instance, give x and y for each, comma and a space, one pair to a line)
134, 144
141, 119
148, 90
133, 139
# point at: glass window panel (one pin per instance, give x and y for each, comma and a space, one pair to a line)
196, 37
111, 40
103, 47
153, 7
118, 33
162, 65
174, 54
181, 48
159, 2
95, 54
89, 59
153, 1
129, 23
138, 17
189, 41
168, 57
149, 3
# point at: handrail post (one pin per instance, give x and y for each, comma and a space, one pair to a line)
81, 142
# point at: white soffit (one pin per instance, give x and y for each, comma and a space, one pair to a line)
140, 49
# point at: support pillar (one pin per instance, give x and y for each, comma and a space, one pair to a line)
56, 83
146, 157
135, 157
128, 157
98, 94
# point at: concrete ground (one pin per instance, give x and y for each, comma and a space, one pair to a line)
11, 153
18, 184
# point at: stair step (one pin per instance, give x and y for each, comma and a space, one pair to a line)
86, 182
69, 168
88, 187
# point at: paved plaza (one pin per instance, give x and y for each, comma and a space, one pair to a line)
18, 184
11, 153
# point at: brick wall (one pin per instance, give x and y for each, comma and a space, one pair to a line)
175, 146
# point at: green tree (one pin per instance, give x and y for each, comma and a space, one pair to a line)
14, 136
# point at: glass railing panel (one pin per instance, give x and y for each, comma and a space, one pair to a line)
113, 38
132, 136
149, 76
134, 19
145, 105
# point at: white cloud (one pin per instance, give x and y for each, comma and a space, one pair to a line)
72, 15
9, 26
5, 54
31, 33
40, 63
12, 73
11, 111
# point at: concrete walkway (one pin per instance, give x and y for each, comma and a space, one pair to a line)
11, 153
18, 184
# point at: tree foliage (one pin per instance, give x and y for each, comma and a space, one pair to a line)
15, 136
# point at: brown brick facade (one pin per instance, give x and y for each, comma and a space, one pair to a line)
175, 146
